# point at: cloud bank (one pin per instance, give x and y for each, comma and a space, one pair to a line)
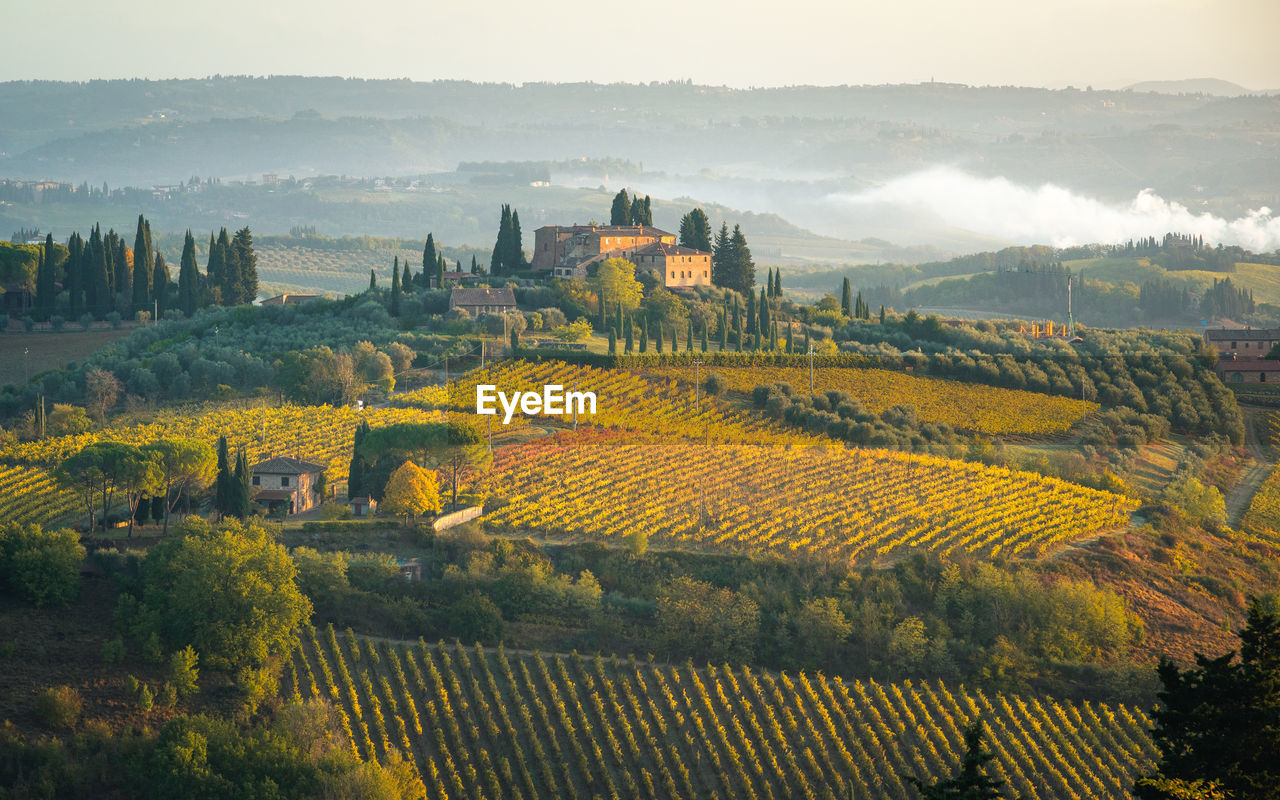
1050, 214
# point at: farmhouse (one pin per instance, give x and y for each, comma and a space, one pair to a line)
286, 484
483, 301
567, 251
1242, 342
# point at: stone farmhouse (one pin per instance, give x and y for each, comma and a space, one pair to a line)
567, 251
1241, 354
286, 484
483, 301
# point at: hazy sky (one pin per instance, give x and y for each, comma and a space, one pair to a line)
1104, 43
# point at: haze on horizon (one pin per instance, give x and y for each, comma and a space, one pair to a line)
1052, 43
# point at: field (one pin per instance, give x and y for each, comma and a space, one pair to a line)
481, 724
816, 501
49, 350
339, 271
664, 408
316, 433
971, 407
1262, 518
1263, 279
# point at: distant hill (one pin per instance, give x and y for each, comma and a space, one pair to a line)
1214, 86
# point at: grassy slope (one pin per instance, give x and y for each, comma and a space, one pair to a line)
48, 350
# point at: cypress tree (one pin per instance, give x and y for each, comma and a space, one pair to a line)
97, 287
406, 277
846, 299
742, 270
373, 280
791, 339
704, 337
73, 282
143, 267
230, 284
724, 333
777, 283
395, 288
644, 334
440, 273
641, 212
751, 314
766, 317
123, 271
515, 341
881, 315
356, 472
497, 262
769, 283
160, 282
688, 344
46, 289
628, 333
613, 342
515, 256
620, 213
657, 339
246, 262
188, 277
241, 487
429, 259
475, 267
675, 339
223, 491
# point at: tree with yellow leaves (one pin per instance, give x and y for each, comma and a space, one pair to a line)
411, 491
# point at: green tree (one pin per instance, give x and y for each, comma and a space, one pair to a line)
246, 262
189, 283
143, 266
185, 465
395, 287
695, 230
454, 447
846, 299
184, 672
40, 566
1218, 722
497, 261
224, 483
970, 781
359, 465
241, 487
699, 620
46, 289
140, 476
228, 591
641, 211
722, 266
373, 280
620, 212
97, 280
430, 259
161, 286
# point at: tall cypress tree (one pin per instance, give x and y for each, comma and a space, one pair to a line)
246, 261
189, 289
241, 487
215, 272
641, 211
688, 345
627, 332
498, 261
123, 271
429, 260
232, 281
475, 266
97, 285
395, 288
515, 255
406, 278
644, 334
46, 290
358, 468
373, 280
144, 267
73, 281
777, 283
440, 273
704, 337
223, 484
766, 323
620, 212
160, 282
724, 332
846, 299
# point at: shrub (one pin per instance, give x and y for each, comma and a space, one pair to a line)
86, 321
145, 698
57, 322
183, 671
115, 319
58, 707
113, 650
28, 324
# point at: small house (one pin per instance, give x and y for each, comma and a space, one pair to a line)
363, 506
483, 301
286, 484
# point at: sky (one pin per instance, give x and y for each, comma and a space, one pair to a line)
1053, 43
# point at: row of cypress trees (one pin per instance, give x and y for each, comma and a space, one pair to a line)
102, 274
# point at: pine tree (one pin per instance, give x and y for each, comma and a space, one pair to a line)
695, 231
742, 270
46, 289
160, 283
188, 277
395, 288
722, 268
144, 266
246, 262
846, 299
429, 259
620, 213
223, 490
970, 782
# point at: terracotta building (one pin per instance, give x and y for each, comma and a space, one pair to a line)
567, 251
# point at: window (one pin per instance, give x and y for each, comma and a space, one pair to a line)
1233, 345
1262, 377
546, 246
257, 481
704, 273
284, 480
673, 274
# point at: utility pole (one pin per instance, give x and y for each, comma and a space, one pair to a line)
26, 371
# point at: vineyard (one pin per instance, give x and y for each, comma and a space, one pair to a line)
661, 407
481, 724
972, 407
828, 502
1262, 518
317, 433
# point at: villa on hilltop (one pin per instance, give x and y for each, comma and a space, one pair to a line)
567, 251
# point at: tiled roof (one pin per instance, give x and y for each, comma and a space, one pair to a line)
483, 297
287, 465
659, 248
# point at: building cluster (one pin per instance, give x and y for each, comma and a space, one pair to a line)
1241, 354
566, 251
